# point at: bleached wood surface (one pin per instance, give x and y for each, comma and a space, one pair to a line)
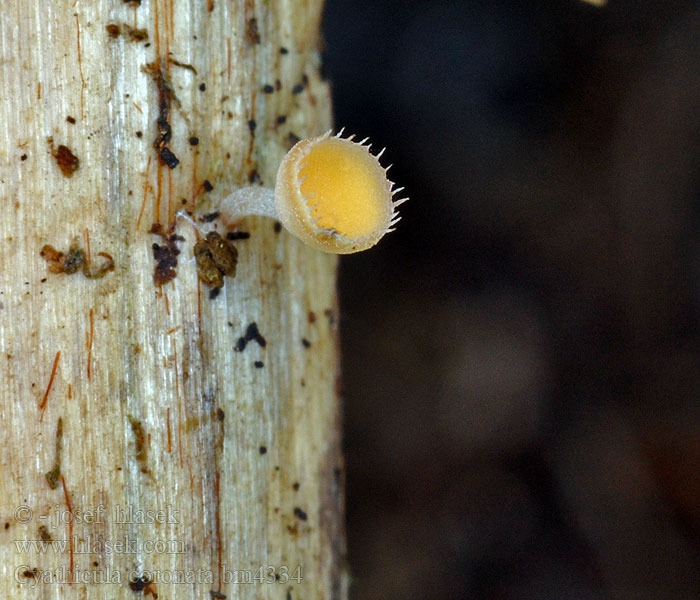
158, 410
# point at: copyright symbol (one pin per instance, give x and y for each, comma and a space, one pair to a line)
23, 514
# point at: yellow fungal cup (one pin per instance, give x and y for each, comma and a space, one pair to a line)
334, 195
331, 192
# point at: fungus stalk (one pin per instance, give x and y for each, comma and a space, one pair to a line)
330, 192
247, 201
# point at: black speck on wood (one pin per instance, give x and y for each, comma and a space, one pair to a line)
237, 235
252, 334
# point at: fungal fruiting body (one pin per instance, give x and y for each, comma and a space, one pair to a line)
331, 192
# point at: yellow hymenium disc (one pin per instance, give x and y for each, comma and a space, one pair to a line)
346, 188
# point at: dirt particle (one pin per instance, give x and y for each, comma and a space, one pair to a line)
262, 450
252, 35
207, 185
194, 141
283, 50
113, 30
139, 134
44, 534
166, 97
268, 89
210, 217
165, 255
140, 442
53, 476
133, 34
252, 334
299, 514
168, 158
306, 343
202, 87
237, 235
23, 157
68, 162
70, 120
182, 65
216, 258
74, 260
330, 315
277, 227
138, 584
60, 262
259, 364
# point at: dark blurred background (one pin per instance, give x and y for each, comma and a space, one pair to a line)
521, 358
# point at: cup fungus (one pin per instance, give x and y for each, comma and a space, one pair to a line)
331, 192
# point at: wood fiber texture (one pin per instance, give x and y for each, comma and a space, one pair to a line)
138, 389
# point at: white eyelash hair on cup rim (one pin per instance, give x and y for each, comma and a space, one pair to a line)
331, 192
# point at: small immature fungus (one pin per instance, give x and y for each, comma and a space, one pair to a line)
331, 192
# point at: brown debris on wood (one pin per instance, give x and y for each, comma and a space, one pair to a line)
141, 443
252, 35
133, 34
216, 257
68, 162
44, 533
182, 65
54, 475
166, 97
60, 262
166, 255
75, 260
100, 271
145, 585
